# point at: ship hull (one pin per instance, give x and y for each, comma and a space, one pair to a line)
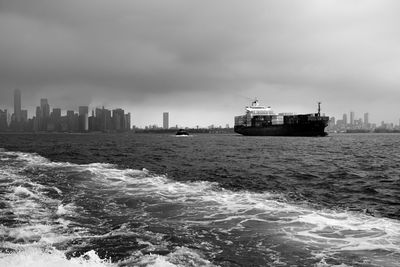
316, 129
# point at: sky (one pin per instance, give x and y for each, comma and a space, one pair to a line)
203, 61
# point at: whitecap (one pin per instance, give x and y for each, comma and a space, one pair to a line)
49, 258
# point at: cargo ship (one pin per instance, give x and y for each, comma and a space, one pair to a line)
263, 121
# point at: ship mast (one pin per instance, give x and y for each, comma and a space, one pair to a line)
319, 109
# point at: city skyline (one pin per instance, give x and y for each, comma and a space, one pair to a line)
341, 123
47, 119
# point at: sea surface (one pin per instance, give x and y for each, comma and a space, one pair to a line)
202, 200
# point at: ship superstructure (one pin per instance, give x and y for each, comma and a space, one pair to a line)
263, 121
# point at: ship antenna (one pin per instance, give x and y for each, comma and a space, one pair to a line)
319, 109
254, 101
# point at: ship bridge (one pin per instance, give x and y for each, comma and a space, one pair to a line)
256, 109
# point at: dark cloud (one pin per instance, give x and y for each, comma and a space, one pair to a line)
204, 58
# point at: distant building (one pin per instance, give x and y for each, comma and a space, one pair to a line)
118, 117
17, 106
45, 108
24, 115
366, 120
165, 120
103, 119
37, 123
3, 120
55, 121
351, 117
344, 119
73, 124
45, 114
56, 114
333, 120
84, 118
83, 110
128, 121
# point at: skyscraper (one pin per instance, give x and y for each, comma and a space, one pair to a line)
83, 110
118, 117
351, 117
165, 120
84, 118
24, 115
366, 118
345, 119
17, 105
128, 121
44, 106
45, 114
3, 120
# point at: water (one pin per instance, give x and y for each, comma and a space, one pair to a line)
203, 200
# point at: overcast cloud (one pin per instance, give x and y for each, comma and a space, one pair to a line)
203, 60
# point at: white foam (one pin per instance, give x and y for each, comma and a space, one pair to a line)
33, 257
24, 192
57, 190
182, 256
338, 231
65, 209
349, 231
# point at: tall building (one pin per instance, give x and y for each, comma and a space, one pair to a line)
3, 120
83, 110
44, 106
37, 125
24, 115
72, 125
165, 120
118, 117
84, 118
366, 118
103, 119
56, 114
17, 105
351, 117
128, 121
45, 114
345, 119
55, 119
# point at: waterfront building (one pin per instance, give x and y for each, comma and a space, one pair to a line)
165, 120
45, 114
84, 118
352, 118
118, 118
103, 119
72, 123
3, 120
366, 121
92, 122
17, 106
45, 107
37, 123
344, 119
83, 110
55, 121
24, 115
366, 118
128, 121
83, 122
56, 114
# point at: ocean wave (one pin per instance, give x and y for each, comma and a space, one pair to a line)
188, 205
39, 257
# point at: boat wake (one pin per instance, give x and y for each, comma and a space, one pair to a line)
58, 213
